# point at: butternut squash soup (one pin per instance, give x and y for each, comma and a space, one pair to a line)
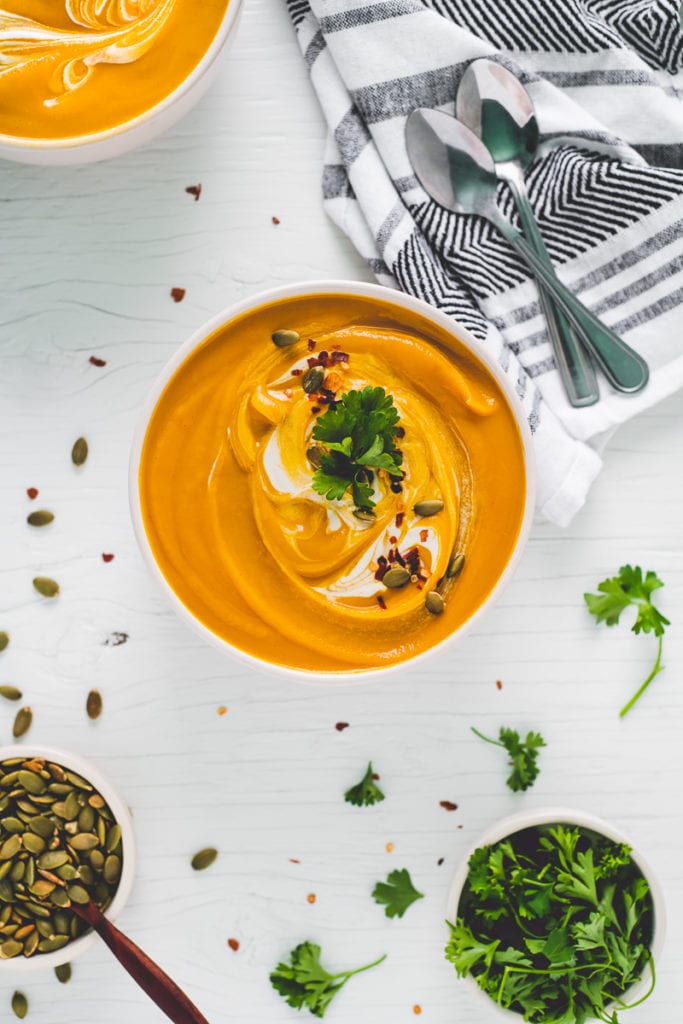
332, 483
73, 68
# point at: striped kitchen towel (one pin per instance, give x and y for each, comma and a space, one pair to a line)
606, 79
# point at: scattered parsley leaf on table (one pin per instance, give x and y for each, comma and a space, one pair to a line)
523, 755
357, 436
305, 984
397, 893
631, 588
366, 792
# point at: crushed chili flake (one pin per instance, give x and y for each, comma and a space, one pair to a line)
294, 860
234, 945
297, 373
393, 540
499, 685
339, 357
96, 361
275, 220
417, 1009
333, 382
178, 294
340, 726
460, 826
32, 492
107, 557
400, 516
440, 861
381, 602
222, 710
311, 897
390, 847
194, 190
311, 344
423, 535
375, 776
381, 571
447, 805
315, 409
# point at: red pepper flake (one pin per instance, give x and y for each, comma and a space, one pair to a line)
423, 535
499, 685
339, 357
222, 710
316, 409
311, 345
96, 361
275, 220
417, 1009
107, 557
297, 373
340, 726
381, 571
381, 602
311, 897
194, 190
234, 945
375, 776
294, 860
440, 861
389, 847
178, 294
447, 805
400, 516
393, 540
32, 492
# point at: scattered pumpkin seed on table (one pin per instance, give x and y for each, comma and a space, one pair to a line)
22, 722
93, 704
40, 518
45, 586
79, 452
59, 844
4, 639
204, 858
10, 692
63, 972
19, 1005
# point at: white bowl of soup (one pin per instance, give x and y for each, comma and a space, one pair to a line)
332, 479
83, 80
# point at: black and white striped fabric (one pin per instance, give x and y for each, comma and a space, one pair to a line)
606, 79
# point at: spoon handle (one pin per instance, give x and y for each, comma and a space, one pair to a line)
149, 976
624, 368
573, 361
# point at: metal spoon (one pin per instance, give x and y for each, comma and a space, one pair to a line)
456, 169
494, 104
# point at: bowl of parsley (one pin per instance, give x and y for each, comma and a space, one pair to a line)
557, 919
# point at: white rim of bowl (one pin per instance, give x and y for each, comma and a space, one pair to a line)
562, 815
360, 290
228, 22
45, 961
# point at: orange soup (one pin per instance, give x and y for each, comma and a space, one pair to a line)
72, 68
332, 483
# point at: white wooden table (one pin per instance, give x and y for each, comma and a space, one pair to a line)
88, 258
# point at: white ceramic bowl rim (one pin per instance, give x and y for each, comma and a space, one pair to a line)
563, 815
200, 69
360, 290
45, 961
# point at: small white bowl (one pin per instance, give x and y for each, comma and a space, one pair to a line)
119, 139
399, 300
561, 816
45, 961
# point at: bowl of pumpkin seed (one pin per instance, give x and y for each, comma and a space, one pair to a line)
66, 838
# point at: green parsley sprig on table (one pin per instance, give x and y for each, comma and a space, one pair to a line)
554, 923
523, 755
617, 593
397, 893
366, 792
357, 436
305, 984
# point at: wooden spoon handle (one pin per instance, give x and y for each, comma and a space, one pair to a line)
149, 976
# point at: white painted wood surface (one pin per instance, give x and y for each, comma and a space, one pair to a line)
88, 258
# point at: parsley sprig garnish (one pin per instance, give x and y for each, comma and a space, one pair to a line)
523, 755
617, 593
366, 792
305, 984
357, 436
397, 893
554, 923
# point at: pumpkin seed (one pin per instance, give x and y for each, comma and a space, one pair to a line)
10, 693
33, 843
455, 566
52, 859
63, 972
39, 518
53, 943
10, 848
4, 639
60, 898
45, 586
93, 704
19, 1005
78, 894
113, 839
31, 943
31, 782
428, 508
79, 452
312, 380
434, 602
11, 824
396, 577
22, 722
204, 858
10, 948
364, 514
42, 826
112, 868
314, 456
285, 338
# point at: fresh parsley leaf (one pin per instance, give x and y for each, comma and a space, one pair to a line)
631, 588
366, 792
357, 436
305, 984
523, 755
397, 893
